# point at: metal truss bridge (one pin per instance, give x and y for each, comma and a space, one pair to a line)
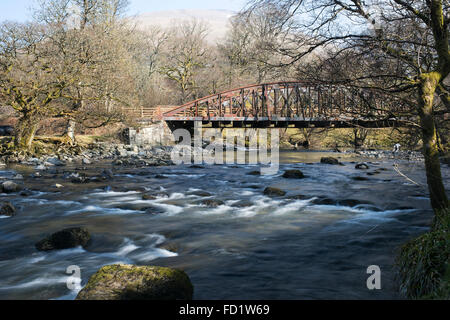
290, 104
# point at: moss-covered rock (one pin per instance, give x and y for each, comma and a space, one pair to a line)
7, 209
128, 282
65, 239
271, 191
293, 174
329, 160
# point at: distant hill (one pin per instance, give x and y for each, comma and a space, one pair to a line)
217, 20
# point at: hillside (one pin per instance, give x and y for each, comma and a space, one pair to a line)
217, 20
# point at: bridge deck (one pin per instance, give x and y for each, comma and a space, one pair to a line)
280, 122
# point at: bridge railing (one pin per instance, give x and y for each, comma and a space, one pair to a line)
290, 99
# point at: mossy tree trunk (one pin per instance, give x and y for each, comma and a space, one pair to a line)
427, 88
25, 132
359, 137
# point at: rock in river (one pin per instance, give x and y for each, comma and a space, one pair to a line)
65, 239
7, 209
107, 174
10, 187
200, 193
329, 160
360, 178
293, 174
271, 191
362, 166
351, 202
324, 201
147, 196
56, 162
128, 282
212, 203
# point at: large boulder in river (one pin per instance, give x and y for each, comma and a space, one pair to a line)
65, 239
271, 191
128, 282
10, 187
7, 209
293, 174
329, 160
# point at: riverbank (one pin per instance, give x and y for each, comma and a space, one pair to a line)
50, 152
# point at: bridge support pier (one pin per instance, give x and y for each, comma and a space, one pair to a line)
159, 134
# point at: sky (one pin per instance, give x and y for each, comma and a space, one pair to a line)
18, 10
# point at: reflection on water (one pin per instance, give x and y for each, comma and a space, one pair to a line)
315, 242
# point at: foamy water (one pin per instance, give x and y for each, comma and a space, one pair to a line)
253, 245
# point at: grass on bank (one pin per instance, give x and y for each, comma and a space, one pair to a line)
424, 264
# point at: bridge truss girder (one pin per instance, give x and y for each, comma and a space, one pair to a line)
299, 104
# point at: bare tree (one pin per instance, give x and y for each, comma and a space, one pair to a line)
402, 44
93, 34
185, 54
31, 79
249, 43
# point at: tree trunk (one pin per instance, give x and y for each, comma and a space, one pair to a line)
307, 135
25, 131
355, 139
436, 187
70, 131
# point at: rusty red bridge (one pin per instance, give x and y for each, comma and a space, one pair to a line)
285, 104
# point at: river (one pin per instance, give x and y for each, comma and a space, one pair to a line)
312, 243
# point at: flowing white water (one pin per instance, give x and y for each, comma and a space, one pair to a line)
315, 242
